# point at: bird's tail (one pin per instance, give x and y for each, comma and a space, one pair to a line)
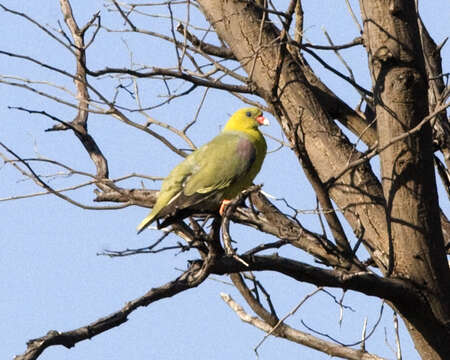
146, 222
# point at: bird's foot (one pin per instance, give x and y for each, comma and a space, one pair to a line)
223, 205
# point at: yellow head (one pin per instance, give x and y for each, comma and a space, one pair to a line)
246, 119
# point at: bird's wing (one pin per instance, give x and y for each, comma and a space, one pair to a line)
221, 162
212, 169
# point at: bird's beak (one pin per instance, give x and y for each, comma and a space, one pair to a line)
262, 120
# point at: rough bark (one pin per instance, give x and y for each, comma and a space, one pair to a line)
397, 67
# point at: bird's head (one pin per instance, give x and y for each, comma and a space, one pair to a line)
246, 119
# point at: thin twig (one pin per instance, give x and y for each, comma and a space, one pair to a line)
376, 149
397, 337
371, 332
281, 321
355, 19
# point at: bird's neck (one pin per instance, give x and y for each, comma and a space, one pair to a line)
253, 133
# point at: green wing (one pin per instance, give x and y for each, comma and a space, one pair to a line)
222, 162
209, 172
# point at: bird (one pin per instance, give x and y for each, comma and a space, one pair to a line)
215, 172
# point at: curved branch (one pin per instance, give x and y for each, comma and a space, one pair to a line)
300, 337
156, 71
193, 277
356, 42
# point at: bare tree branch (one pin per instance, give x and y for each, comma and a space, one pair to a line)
300, 337
191, 278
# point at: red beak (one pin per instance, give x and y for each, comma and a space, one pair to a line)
262, 120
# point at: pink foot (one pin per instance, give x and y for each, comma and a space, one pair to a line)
223, 205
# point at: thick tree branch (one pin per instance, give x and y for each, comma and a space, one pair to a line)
364, 282
142, 197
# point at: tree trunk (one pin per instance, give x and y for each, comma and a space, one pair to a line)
397, 66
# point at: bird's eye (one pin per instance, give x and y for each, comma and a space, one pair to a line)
248, 113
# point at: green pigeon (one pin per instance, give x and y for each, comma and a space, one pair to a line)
214, 173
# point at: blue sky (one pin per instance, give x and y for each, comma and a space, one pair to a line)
52, 278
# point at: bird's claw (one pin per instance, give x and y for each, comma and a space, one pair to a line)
223, 205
